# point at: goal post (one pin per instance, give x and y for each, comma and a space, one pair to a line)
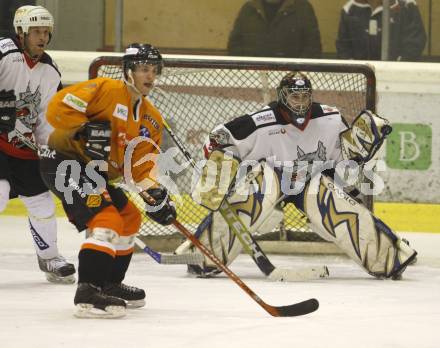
196, 93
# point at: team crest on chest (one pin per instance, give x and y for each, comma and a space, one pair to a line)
318, 155
27, 109
27, 106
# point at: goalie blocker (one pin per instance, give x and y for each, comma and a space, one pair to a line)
334, 215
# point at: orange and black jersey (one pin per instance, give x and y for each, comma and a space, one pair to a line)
104, 99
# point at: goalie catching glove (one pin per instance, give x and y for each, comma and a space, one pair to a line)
159, 207
365, 137
97, 137
7, 111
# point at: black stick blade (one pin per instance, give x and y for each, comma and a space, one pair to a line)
297, 309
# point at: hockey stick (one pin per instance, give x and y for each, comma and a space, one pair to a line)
249, 244
292, 310
252, 248
29, 143
169, 259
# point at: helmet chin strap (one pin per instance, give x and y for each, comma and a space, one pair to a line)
130, 83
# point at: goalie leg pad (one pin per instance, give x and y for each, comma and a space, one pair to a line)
214, 233
365, 239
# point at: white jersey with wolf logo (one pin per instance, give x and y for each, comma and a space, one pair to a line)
267, 135
34, 85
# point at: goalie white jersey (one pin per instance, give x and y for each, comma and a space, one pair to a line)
267, 135
34, 85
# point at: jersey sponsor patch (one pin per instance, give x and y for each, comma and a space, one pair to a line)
75, 102
93, 201
7, 45
121, 112
277, 131
326, 109
153, 122
264, 117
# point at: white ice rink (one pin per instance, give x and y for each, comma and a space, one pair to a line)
355, 309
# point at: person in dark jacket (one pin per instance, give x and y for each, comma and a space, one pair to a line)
360, 29
276, 28
7, 11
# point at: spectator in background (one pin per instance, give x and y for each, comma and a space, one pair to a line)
7, 10
276, 28
360, 29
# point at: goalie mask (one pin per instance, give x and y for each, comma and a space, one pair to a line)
32, 16
295, 98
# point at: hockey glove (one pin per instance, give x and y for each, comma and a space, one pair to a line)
97, 136
159, 207
7, 111
364, 138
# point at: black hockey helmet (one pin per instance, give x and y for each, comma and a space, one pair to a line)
137, 53
295, 96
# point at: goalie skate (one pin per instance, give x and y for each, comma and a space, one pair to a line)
405, 256
91, 302
57, 270
133, 296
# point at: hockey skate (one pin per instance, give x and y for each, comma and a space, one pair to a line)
57, 270
133, 296
91, 302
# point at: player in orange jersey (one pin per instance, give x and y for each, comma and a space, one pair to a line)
103, 128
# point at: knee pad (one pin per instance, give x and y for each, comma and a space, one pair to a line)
5, 188
40, 206
101, 239
125, 245
104, 235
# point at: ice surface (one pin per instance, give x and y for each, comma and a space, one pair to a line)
356, 310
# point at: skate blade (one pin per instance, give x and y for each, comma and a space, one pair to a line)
53, 278
87, 311
135, 304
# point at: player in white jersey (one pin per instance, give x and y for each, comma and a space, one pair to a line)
294, 146
28, 79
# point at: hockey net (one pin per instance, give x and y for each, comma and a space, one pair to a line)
196, 94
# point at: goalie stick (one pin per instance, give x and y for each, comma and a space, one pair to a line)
249, 244
252, 248
296, 309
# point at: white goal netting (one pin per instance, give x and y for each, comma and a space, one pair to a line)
196, 94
